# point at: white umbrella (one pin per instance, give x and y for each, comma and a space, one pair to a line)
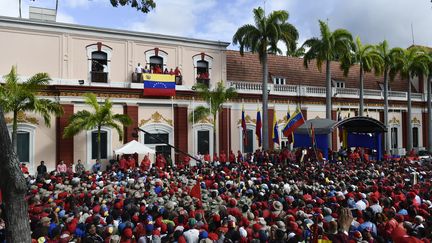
134, 147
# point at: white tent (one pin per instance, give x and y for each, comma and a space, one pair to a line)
134, 147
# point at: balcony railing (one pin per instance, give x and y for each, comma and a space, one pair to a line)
318, 91
99, 77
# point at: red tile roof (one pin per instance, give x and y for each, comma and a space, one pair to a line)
248, 68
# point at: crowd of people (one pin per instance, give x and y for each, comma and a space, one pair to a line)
156, 69
259, 197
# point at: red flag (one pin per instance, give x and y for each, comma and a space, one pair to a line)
196, 191
244, 127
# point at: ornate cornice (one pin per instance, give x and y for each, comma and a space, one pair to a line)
23, 118
156, 118
415, 121
394, 121
248, 120
206, 120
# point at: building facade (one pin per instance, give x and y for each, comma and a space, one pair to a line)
83, 59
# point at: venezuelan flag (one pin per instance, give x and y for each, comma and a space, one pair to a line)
159, 84
295, 121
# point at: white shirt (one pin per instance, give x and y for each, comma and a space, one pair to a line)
192, 236
138, 69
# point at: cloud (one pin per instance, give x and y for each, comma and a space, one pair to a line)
9, 8
65, 18
175, 17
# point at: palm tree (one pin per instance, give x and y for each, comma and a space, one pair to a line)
368, 58
410, 63
298, 51
101, 117
214, 99
429, 104
388, 57
263, 38
330, 47
16, 96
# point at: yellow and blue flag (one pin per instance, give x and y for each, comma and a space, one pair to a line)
159, 84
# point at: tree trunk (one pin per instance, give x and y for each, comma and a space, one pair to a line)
20, 8
361, 89
14, 188
328, 99
15, 132
265, 129
386, 108
409, 125
429, 110
214, 134
99, 144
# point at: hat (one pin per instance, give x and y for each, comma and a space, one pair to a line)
277, 206
203, 235
45, 220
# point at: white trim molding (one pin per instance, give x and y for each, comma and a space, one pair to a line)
249, 126
89, 162
98, 47
202, 57
203, 127
158, 128
31, 129
158, 53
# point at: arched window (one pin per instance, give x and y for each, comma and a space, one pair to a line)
106, 144
156, 61
155, 57
203, 134
99, 57
163, 133
203, 65
25, 144
251, 139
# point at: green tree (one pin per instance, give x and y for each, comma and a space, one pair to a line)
16, 96
368, 58
13, 186
410, 63
298, 51
263, 38
429, 104
102, 116
330, 47
144, 6
388, 56
215, 99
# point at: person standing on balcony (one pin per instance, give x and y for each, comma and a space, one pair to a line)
146, 69
166, 71
171, 72
138, 71
157, 69
177, 72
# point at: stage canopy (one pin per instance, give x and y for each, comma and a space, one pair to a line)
359, 131
134, 147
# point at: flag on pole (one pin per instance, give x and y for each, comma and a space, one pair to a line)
275, 134
291, 135
244, 132
293, 123
258, 127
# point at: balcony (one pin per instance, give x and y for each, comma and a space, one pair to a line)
205, 81
319, 91
99, 77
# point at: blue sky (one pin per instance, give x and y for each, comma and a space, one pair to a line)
372, 20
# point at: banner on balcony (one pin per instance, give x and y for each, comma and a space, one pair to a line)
159, 84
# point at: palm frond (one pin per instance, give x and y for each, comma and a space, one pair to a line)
117, 127
200, 113
123, 119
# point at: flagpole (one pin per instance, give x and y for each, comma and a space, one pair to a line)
173, 120
193, 124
